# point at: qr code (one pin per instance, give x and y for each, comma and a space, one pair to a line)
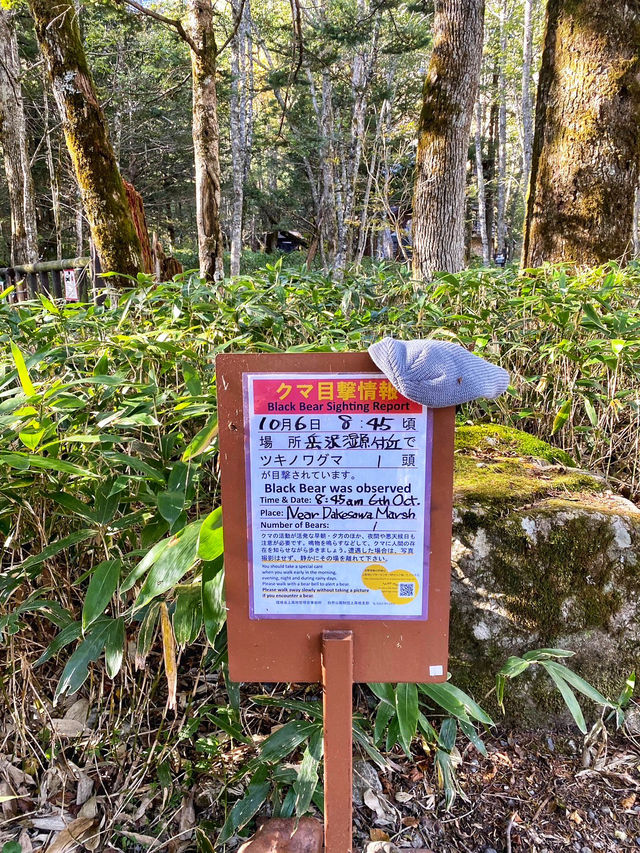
406, 590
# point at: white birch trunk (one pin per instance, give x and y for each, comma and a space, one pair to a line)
362, 72
502, 135
328, 205
527, 99
636, 224
79, 226
13, 137
241, 128
482, 204
53, 174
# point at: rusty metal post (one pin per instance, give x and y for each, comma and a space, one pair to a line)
337, 682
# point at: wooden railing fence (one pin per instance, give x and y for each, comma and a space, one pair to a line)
72, 279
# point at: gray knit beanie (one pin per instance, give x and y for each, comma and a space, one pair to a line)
437, 373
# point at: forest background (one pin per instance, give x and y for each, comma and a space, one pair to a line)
333, 120
318, 126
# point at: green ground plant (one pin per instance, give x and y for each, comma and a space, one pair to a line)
110, 525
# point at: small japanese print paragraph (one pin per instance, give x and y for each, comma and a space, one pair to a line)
339, 481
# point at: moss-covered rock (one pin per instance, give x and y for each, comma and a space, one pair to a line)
543, 556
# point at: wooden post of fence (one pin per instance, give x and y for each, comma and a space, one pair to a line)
43, 275
21, 286
56, 279
95, 270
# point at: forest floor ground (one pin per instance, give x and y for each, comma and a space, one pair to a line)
531, 792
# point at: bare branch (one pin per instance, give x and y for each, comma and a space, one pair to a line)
236, 24
174, 23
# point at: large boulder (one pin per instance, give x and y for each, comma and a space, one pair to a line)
544, 555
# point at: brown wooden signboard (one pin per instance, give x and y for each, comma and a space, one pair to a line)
337, 502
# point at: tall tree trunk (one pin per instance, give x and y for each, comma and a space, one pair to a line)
502, 135
79, 226
445, 121
383, 122
361, 74
482, 206
206, 138
85, 129
586, 146
13, 137
527, 100
328, 217
635, 237
240, 124
490, 163
54, 180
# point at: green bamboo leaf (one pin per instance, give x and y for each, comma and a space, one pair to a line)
569, 697
445, 775
144, 565
22, 461
383, 715
445, 699
58, 546
170, 505
407, 712
202, 440
448, 732
307, 779
590, 410
191, 379
561, 417
210, 543
514, 666
77, 668
102, 585
284, 740
384, 692
114, 647
173, 563
579, 683
187, 617
67, 635
214, 611
137, 464
471, 707
542, 654
244, 809
23, 373
427, 729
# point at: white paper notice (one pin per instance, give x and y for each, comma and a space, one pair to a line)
338, 491
70, 285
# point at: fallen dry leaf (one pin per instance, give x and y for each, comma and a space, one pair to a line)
403, 796
77, 833
62, 727
25, 842
84, 789
385, 812
378, 835
79, 711
381, 847
169, 655
8, 800
89, 808
628, 802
